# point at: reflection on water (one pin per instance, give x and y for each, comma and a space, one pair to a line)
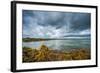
60, 44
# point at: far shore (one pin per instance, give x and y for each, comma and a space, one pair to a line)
47, 39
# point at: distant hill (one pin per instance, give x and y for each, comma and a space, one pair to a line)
35, 39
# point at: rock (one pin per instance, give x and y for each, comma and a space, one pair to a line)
44, 48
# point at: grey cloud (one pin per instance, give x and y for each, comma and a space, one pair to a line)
50, 22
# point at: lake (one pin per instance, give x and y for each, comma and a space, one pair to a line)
64, 44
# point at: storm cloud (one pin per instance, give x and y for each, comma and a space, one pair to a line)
52, 24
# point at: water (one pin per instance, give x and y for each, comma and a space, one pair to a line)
61, 44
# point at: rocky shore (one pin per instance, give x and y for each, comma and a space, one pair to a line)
43, 53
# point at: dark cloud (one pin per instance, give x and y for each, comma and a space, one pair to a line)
81, 21
87, 35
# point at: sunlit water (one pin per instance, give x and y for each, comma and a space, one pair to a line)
61, 44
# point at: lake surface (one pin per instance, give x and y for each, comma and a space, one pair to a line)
61, 44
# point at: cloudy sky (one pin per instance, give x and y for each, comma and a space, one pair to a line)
44, 24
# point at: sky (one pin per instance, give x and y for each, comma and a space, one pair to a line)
51, 24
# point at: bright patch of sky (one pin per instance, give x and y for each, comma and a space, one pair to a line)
46, 24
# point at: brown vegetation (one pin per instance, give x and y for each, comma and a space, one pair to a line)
46, 54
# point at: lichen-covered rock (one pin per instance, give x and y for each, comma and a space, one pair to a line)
43, 53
